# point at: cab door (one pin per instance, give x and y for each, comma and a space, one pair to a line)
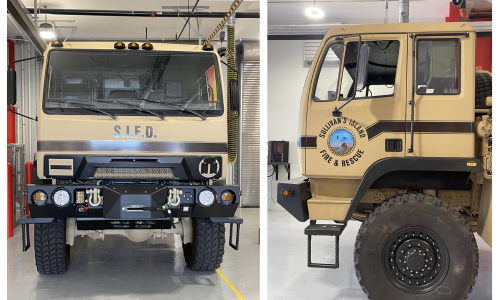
372, 126
444, 96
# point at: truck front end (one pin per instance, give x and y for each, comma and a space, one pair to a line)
132, 140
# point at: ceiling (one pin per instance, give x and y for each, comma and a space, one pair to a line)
341, 12
134, 28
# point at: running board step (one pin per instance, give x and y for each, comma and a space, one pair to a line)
324, 229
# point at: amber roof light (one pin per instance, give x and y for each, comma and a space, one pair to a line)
147, 46
56, 44
119, 45
208, 47
133, 46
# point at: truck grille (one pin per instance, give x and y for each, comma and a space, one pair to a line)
133, 173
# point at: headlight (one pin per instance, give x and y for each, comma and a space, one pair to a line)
228, 198
60, 197
207, 198
39, 198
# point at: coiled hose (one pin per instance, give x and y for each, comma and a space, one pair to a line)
232, 121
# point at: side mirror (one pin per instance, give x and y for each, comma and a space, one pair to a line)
362, 64
11, 87
221, 52
234, 95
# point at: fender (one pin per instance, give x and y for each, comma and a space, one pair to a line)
391, 164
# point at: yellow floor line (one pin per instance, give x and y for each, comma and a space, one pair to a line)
230, 284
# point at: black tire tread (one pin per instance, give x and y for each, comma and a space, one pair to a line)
209, 245
51, 251
403, 199
483, 89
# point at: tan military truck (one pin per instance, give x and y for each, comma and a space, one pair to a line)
132, 140
395, 131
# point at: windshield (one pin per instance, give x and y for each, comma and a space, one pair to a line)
132, 83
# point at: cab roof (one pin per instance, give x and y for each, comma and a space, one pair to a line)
401, 28
158, 46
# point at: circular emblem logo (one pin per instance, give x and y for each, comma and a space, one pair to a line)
341, 141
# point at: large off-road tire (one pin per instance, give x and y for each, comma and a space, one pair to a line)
419, 238
483, 89
51, 251
207, 250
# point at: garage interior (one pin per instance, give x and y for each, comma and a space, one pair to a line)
293, 39
119, 268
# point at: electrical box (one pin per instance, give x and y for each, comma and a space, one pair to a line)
278, 152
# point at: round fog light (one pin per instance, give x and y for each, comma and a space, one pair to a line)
228, 198
39, 198
206, 198
61, 197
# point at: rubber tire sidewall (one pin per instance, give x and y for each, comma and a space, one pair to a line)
455, 235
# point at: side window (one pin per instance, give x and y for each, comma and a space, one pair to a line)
383, 59
438, 67
327, 82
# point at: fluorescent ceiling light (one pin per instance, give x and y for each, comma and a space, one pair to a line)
314, 12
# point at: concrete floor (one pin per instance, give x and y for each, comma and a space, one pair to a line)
290, 278
155, 269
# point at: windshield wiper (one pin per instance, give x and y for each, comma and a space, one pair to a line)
181, 109
81, 105
136, 108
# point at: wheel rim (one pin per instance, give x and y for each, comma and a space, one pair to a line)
415, 260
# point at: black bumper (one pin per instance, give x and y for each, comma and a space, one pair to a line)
296, 202
125, 202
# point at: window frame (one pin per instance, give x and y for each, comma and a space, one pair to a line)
416, 67
319, 73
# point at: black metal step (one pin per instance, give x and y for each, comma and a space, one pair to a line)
328, 230
324, 229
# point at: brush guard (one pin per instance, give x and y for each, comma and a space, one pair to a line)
232, 220
324, 229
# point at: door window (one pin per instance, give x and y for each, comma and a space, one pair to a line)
438, 67
381, 72
327, 83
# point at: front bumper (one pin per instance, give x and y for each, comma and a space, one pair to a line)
132, 202
296, 201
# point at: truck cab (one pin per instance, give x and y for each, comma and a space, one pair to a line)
132, 140
390, 134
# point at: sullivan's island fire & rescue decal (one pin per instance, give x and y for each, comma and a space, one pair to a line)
342, 141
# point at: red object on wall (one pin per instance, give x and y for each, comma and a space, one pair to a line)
484, 53
11, 118
12, 57
11, 126
28, 178
453, 14
10, 203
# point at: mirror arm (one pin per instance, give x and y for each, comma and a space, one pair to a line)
230, 67
336, 111
19, 60
14, 112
